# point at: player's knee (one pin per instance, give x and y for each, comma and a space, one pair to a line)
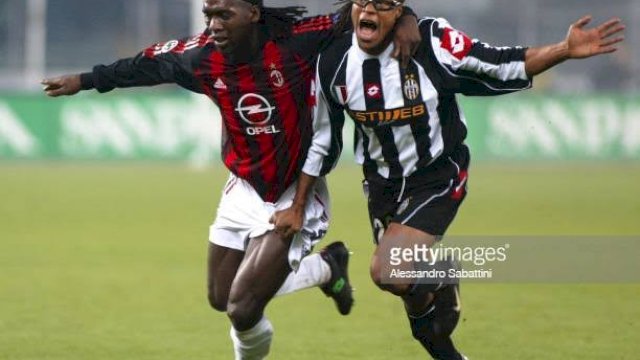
376, 271
218, 303
243, 312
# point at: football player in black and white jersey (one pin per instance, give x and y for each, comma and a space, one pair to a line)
410, 132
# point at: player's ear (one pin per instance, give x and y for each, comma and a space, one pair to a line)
255, 14
398, 12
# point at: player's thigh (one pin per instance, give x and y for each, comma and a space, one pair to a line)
398, 244
263, 270
222, 266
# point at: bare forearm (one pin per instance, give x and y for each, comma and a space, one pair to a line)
541, 59
305, 184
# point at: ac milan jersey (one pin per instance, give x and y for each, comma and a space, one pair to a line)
265, 104
405, 119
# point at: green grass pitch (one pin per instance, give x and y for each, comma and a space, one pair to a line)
108, 262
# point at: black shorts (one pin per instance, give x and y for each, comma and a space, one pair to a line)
427, 200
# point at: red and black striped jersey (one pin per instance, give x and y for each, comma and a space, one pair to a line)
266, 104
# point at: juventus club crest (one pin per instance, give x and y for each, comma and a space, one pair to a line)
411, 87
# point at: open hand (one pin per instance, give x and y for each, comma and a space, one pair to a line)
584, 43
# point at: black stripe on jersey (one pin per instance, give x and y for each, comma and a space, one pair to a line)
476, 84
257, 178
419, 128
261, 77
370, 167
496, 56
410, 78
453, 129
374, 99
372, 85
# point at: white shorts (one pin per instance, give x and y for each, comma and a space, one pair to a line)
243, 215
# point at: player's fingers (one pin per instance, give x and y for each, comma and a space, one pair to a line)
396, 53
272, 219
49, 84
609, 24
613, 30
608, 50
54, 93
404, 58
610, 42
583, 21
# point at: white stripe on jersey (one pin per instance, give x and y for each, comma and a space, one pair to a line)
504, 72
407, 148
393, 98
375, 152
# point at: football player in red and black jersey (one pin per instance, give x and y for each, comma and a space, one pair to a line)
258, 65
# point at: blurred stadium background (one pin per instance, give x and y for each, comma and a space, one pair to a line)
105, 200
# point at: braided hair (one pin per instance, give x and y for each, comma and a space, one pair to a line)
278, 21
344, 17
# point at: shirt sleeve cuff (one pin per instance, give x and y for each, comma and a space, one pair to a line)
313, 164
86, 81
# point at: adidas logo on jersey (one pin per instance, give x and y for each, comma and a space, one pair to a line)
219, 84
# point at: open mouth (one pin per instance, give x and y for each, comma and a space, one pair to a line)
368, 25
220, 41
367, 29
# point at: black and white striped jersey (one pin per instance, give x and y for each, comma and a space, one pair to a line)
405, 119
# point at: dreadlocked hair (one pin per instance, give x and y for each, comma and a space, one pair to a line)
344, 17
279, 21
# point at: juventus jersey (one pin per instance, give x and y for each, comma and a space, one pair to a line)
405, 119
266, 105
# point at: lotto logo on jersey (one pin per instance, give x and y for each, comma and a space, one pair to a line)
456, 42
373, 91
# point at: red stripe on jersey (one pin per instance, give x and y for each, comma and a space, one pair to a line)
265, 163
288, 109
456, 42
235, 147
317, 23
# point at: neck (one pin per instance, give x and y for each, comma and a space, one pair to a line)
248, 52
380, 48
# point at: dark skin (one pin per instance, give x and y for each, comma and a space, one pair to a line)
242, 283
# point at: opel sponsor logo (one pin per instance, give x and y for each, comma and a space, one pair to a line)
254, 109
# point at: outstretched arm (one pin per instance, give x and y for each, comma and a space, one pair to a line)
63, 85
162, 63
580, 43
